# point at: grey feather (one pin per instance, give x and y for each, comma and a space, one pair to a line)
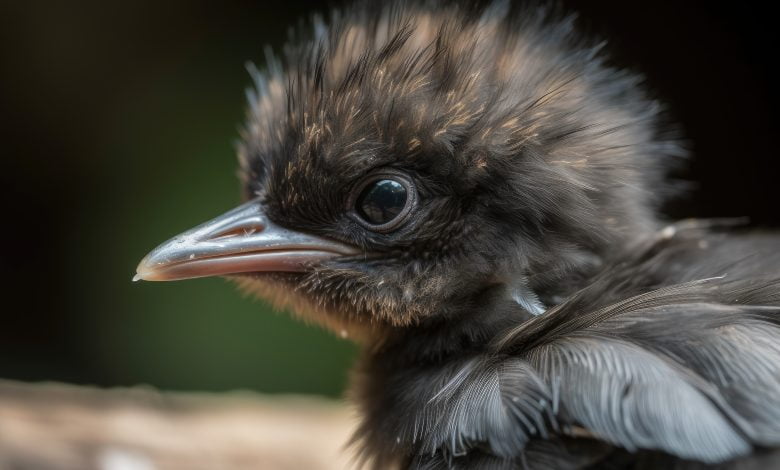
527, 298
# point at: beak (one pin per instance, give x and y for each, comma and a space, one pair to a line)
240, 241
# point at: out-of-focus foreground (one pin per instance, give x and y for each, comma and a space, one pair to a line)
51, 426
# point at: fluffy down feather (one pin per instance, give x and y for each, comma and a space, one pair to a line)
530, 313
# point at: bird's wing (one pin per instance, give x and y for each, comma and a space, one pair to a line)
692, 370
689, 370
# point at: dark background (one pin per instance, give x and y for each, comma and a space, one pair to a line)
118, 121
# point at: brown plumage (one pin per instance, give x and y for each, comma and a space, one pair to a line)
470, 192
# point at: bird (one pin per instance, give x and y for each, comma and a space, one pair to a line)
471, 192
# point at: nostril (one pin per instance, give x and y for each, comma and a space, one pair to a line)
240, 231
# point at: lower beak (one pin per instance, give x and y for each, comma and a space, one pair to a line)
240, 241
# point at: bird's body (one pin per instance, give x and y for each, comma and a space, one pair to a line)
470, 192
661, 353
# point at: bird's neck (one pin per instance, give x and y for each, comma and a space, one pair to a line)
468, 329
394, 379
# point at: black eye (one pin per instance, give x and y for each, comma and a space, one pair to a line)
383, 201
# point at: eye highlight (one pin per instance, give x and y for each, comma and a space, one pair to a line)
383, 201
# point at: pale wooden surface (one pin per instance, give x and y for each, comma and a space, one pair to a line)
61, 427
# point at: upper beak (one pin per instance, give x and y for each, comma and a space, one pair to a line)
239, 241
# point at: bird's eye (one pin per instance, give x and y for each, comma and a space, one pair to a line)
382, 201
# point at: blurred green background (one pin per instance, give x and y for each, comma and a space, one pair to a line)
118, 126
131, 111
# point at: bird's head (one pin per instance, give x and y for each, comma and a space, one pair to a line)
401, 161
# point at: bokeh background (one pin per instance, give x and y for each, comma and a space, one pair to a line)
119, 119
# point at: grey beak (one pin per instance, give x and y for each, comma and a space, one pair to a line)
241, 240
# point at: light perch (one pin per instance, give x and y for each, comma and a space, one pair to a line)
52, 426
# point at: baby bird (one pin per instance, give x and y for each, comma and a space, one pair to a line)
470, 192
